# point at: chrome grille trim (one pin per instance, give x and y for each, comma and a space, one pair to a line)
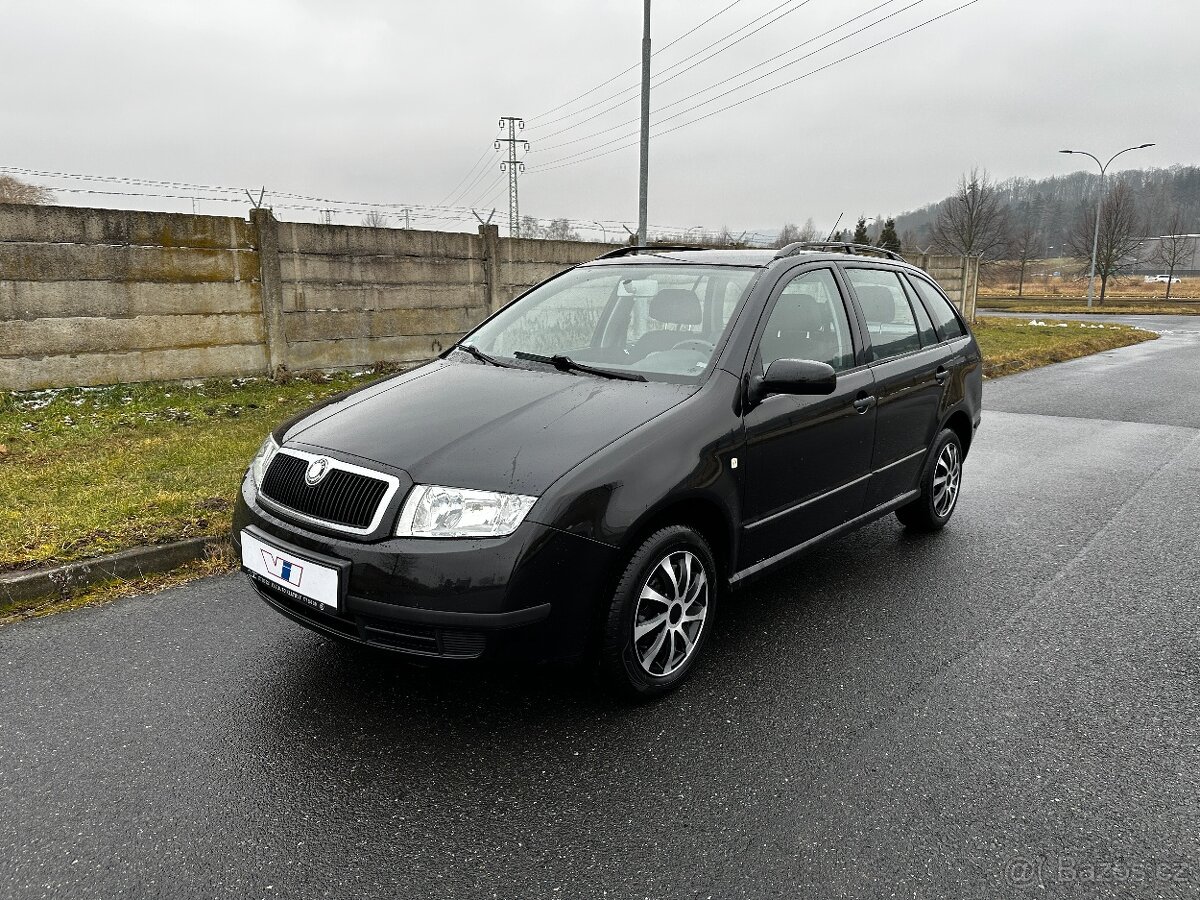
393, 485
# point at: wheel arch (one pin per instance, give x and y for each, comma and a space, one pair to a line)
702, 513
960, 423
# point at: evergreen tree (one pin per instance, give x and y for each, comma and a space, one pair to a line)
860, 232
888, 239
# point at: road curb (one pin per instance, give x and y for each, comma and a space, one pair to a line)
153, 560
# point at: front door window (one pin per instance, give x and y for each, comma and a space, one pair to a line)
809, 322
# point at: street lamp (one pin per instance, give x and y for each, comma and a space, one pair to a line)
1099, 201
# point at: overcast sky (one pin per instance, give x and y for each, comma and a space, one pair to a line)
394, 102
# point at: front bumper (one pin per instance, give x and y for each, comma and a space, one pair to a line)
533, 595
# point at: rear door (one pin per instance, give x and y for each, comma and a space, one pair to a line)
806, 460
909, 364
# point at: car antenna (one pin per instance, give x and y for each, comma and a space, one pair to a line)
833, 230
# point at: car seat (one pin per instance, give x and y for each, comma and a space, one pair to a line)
670, 306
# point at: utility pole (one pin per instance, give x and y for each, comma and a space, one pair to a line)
407, 223
644, 174
513, 167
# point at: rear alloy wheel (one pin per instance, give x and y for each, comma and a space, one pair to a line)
660, 613
940, 486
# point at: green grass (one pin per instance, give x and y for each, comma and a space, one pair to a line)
1013, 345
1111, 307
87, 471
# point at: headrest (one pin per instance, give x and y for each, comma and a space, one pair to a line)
878, 302
797, 313
676, 306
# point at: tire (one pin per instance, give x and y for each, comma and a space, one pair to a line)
941, 483
671, 580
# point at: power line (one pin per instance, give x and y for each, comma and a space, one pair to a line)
658, 80
562, 163
357, 209
499, 177
758, 65
637, 64
458, 199
483, 156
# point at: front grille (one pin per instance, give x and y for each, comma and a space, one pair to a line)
349, 499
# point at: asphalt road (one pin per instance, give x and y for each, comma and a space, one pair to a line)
1009, 708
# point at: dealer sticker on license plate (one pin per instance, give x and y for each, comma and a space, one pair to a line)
297, 577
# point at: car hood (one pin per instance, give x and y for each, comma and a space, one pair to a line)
479, 426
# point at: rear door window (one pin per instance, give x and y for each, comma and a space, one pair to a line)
889, 318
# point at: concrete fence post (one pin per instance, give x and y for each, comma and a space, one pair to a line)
266, 230
490, 235
971, 290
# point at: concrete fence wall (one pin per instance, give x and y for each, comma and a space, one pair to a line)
91, 296
95, 296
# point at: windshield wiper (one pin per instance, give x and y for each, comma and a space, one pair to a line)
566, 364
480, 355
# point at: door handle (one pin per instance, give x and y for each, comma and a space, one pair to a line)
941, 374
863, 402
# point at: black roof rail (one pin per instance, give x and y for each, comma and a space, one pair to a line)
633, 250
839, 247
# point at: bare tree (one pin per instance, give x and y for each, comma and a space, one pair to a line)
1174, 247
972, 222
791, 233
375, 219
531, 228
788, 234
13, 190
1025, 239
1120, 233
560, 230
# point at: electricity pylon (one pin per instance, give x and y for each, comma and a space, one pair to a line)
513, 167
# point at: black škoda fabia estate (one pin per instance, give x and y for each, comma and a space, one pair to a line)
589, 472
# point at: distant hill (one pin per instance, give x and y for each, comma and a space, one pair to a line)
1058, 200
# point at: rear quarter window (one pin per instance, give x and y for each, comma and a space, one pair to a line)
940, 310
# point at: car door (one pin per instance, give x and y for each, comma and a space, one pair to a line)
806, 459
909, 364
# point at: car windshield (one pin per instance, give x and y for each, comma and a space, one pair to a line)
660, 322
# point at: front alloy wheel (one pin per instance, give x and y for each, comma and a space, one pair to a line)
660, 613
670, 613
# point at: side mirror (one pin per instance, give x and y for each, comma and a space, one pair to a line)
794, 376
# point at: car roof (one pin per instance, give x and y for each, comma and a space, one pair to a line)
757, 258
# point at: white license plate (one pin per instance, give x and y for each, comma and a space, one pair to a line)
297, 577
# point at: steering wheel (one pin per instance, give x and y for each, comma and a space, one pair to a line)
696, 344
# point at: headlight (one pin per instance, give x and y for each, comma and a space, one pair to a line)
262, 460
434, 511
